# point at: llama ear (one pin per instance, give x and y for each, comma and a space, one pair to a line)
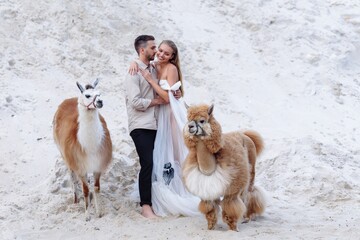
80, 87
210, 109
96, 82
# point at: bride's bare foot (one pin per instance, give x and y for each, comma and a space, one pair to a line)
148, 212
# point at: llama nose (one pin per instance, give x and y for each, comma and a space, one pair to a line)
99, 103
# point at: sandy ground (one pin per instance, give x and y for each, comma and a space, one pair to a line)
287, 69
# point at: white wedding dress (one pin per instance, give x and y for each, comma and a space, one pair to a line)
169, 195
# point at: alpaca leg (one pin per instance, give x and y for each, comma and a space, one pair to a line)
97, 198
255, 203
211, 210
75, 182
233, 208
85, 187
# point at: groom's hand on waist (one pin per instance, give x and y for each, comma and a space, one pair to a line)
157, 101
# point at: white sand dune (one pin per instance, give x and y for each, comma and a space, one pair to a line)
288, 69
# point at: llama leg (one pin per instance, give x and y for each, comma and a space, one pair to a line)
75, 182
85, 187
97, 198
211, 210
233, 208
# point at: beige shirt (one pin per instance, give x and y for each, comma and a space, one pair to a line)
138, 96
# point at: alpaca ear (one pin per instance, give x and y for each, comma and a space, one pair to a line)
96, 82
80, 87
210, 109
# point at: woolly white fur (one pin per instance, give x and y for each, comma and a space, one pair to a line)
207, 187
90, 136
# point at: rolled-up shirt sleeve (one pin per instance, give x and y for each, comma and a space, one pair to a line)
133, 93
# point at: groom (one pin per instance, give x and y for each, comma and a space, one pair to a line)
141, 104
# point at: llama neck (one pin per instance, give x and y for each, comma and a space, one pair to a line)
90, 132
206, 160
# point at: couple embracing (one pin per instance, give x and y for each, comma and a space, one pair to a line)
156, 117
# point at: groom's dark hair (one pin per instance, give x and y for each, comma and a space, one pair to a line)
141, 41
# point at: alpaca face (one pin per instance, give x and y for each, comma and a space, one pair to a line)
198, 121
200, 127
89, 97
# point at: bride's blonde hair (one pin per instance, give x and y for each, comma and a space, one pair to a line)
175, 60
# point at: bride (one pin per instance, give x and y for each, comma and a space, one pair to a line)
169, 195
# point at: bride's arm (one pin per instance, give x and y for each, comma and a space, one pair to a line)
134, 67
172, 75
161, 92
172, 78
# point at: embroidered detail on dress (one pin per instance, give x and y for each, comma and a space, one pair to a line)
168, 173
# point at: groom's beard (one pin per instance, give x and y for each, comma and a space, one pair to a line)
150, 58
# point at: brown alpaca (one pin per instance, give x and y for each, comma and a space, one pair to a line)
221, 165
83, 139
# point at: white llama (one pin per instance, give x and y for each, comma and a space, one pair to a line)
83, 139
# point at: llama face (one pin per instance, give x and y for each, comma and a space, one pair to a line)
90, 98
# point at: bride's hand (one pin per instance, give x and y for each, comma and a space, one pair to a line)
134, 68
177, 94
146, 74
159, 101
